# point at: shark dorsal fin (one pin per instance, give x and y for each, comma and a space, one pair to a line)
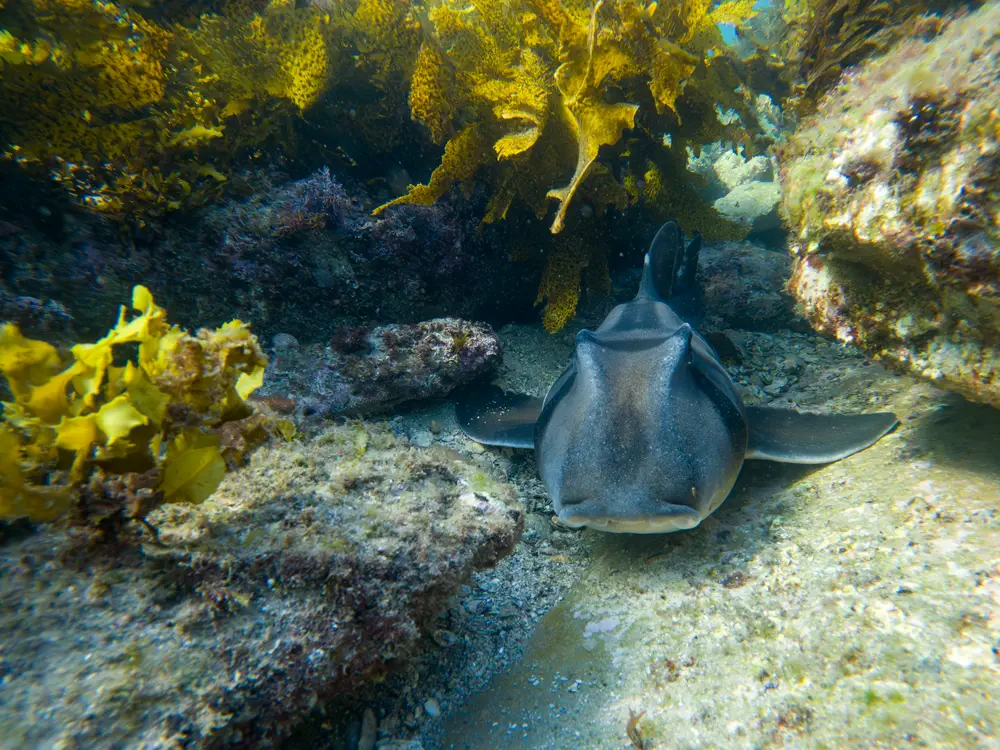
670, 267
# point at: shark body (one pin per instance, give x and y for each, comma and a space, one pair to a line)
645, 431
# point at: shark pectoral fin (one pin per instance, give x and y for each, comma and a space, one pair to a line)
798, 438
492, 416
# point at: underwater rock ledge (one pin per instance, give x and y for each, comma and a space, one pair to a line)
295, 256
892, 194
299, 579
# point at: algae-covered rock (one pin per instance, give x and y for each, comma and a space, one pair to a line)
892, 193
308, 571
295, 256
365, 370
752, 204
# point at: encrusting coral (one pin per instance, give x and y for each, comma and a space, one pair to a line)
140, 430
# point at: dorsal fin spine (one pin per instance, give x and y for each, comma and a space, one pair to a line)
647, 289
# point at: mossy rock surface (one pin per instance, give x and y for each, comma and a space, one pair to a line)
302, 578
892, 194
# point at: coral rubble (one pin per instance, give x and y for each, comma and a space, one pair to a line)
893, 198
308, 573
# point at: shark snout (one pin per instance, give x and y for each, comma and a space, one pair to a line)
636, 517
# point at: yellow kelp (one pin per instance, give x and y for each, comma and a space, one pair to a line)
547, 84
155, 415
133, 117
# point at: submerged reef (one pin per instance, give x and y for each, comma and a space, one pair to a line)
892, 193
307, 574
107, 438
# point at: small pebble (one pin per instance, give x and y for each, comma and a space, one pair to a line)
474, 606
444, 638
432, 707
776, 385
539, 526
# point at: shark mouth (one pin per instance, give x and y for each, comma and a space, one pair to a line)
675, 518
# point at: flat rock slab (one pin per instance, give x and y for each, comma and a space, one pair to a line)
299, 579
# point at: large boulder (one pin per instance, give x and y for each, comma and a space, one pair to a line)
892, 194
742, 285
303, 577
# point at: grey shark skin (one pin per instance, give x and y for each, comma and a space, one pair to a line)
644, 431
